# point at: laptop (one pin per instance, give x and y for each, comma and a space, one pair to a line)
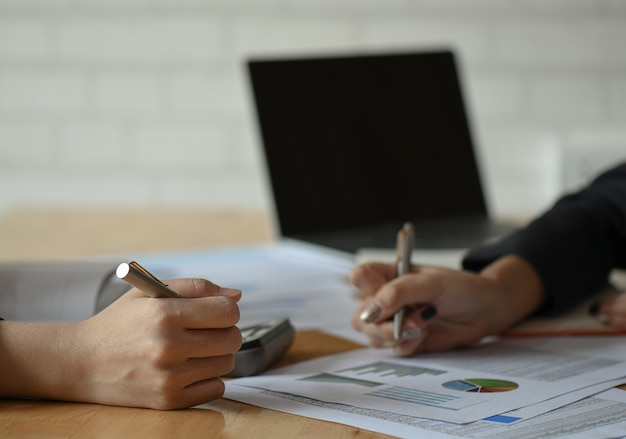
356, 145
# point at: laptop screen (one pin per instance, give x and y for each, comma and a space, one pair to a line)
358, 141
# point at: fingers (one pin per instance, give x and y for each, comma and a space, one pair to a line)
443, 309
202, 392
612, 311
213, 342
203, 305
198, 371
381, 334
195, 382
414, 289
196, 287
387, 295
413, 339
370, 277
179, 346
167, 352
203, 312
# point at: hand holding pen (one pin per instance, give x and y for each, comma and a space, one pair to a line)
375, 281
161, 346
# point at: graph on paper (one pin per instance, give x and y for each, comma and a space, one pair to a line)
415, 396
481, 385
338, 379
384, 369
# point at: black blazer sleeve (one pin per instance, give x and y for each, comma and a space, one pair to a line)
574, 245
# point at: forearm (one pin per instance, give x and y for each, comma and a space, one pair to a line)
138, 352
583, 233
39, 360
520, 291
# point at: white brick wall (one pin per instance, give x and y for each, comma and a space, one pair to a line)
121, 102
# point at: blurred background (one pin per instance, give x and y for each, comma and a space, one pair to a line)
120, 103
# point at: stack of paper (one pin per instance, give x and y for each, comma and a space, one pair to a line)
506, 388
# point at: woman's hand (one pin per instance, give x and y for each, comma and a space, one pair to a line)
611, 311
446, 308
140, 351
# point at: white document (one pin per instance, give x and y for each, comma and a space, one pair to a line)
459, 386
601, 416
449, 258
306, 283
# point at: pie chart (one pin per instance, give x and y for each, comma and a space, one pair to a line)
481, 385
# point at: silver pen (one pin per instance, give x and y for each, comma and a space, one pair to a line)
140, 278
404, 248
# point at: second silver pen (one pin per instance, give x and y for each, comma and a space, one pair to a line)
404, 248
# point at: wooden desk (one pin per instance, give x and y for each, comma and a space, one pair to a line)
36, 234
54, 234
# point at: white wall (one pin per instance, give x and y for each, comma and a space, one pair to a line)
119, 102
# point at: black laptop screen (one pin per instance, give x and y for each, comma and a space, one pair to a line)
356, 141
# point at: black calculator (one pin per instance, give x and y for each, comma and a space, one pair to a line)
263, 344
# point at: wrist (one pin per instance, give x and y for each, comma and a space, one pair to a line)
519, 291
37, 361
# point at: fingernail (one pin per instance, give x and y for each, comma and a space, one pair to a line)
371, 313
428, 313
412, 334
